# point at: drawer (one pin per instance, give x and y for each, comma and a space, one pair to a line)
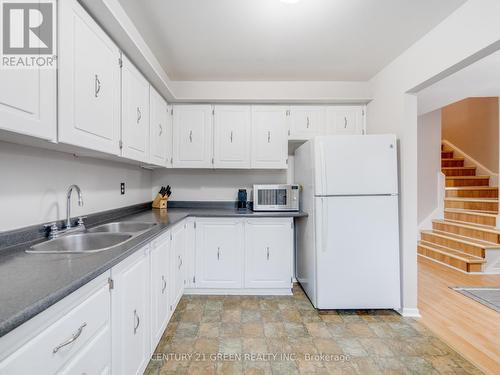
94, 358
46, 353
160, 239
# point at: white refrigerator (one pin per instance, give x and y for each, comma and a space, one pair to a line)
348, 246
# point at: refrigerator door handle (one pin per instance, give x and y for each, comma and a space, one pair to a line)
324, 188
324, 224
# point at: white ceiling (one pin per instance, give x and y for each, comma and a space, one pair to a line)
481, 78
259, 40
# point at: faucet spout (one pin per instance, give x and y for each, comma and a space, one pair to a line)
68, 202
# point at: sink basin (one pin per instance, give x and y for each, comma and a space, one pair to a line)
122, 227
80, 243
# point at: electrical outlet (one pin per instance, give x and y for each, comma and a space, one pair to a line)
122, 188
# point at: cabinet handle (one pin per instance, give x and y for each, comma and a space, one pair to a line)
164, 284
161, 130
267, 248
191, 136
73, 338
180, 262
268, 136
231, 136
307, 122
345, 122
218, 253
97, 86
137, 321
139, 115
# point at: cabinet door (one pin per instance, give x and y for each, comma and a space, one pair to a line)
130, 314
169, 137
135, 113
89, 82
306, 122
219, 250
29, 104
345, 120
179, 238
159, 127
192, 136
160, 297
232, 134
269, 137
268, 253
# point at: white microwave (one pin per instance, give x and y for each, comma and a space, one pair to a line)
276, 197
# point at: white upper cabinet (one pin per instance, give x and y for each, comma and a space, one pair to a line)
306, 121
28, 102
219, 253
269, 137
269, 252
232, 136
89, 82
135, 113
160, 129
345, 120
192, 134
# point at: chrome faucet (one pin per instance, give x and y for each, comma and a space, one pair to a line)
68, 203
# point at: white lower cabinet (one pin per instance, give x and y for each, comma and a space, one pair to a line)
177, 266
130, 318
268, 253
160, 292
73, 334
219, 253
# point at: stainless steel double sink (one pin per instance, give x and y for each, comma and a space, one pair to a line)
93, 240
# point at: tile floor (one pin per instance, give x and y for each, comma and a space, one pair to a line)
286, 335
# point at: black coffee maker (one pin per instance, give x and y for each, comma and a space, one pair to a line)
242, 199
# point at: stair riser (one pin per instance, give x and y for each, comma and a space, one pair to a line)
470, 218
481, 193
452, 244
459, 172
467, 232
477, 206
446, 154
443, 258
452, 163
456, 182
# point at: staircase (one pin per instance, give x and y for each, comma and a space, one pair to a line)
467, 236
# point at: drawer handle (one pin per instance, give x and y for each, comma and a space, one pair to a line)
164, 284
307, 122
231, 136
97, 86
136, 319
267, 248
190, 136
345, 122
139, 115
73, 338
161, 130
269, 137
218, 253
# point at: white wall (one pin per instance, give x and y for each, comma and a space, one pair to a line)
33, 185
213, 185
469, 33
429, 163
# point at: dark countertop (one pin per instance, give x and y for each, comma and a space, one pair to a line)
33, 282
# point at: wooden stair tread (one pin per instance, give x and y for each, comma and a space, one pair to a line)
465, 240
480, 226
483, 228
471, 212
452, 252
471, 199
452, 159
458, 168
471, 188
467, 177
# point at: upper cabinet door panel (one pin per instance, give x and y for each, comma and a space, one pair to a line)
269, 137
345, 120
158, 122
232, 135
135, 113
89, 82
193, 136
29, 104
306, 121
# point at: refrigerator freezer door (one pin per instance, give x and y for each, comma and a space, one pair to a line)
356, 165
357, 252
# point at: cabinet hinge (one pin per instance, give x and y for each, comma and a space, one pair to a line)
172, 111
195, 225
212, 160
291, 225
171, 160
362, 112
171, 237
213, 111
194, 279
288, 131
363, 131
287, 161
170, 307
120, 144
111, 283
120, 62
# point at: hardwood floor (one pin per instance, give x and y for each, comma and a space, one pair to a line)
467, 326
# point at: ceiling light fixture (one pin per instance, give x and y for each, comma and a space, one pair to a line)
290, 1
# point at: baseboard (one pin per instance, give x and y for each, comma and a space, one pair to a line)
240, 292
409, 312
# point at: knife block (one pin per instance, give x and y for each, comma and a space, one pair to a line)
160, 202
